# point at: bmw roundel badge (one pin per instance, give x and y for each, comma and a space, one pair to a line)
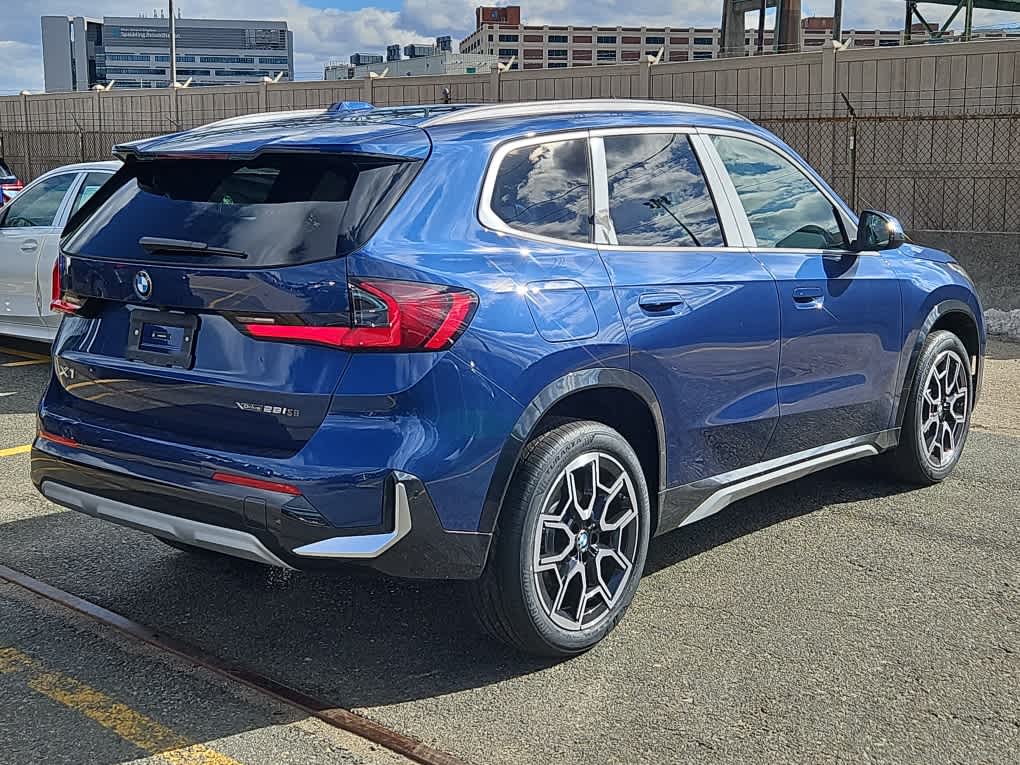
143, 285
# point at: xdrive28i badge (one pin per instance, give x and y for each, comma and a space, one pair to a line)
143, 285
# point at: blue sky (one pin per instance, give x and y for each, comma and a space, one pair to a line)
325, 29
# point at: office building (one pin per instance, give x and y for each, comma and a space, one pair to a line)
80, 52
440, 63
393, 53
499, 32
444, 44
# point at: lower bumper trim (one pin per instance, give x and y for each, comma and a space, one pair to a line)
240, 544
368, 545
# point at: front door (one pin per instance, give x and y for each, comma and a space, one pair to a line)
702, 317
841, 313
27, 229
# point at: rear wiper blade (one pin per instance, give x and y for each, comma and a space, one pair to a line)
201, 249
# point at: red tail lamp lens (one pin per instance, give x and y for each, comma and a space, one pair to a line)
387, 315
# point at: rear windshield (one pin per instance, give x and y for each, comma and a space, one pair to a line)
5, 171
274, 210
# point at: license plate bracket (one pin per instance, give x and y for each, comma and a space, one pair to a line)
161, 338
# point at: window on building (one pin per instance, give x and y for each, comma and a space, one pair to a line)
606, 40
545, 190
557, 53
557, 64
704, 41
274, 60
657, 193
509, 38
785, 209
606, 55
701, 55
558, 39
655, 40
507, 52
181, 59
888, 43
228, 60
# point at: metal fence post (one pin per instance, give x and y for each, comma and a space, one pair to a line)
853, 151
28, 134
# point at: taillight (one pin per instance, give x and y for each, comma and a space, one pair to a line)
256, 483
57, 301
384, 315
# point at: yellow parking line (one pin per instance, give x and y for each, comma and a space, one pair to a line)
15, 450
134, 727
25, 363
23, 354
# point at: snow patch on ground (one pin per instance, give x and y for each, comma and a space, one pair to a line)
1005, 323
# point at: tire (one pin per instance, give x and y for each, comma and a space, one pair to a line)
543, 538
939, 407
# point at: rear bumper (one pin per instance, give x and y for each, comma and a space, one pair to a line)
260, 525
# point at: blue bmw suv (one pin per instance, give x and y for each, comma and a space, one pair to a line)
502, 343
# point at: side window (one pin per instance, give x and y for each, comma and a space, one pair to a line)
785, 209
545, 189
657, 192
89, 187
38, 205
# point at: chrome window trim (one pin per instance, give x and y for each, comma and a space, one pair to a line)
728, 221
745, 224
490, 220
573, 106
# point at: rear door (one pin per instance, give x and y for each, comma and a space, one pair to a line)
29, 226
702, 316
210, 289
840, 310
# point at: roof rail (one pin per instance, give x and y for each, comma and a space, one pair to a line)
572, 106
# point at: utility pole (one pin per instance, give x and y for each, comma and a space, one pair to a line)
837, 21
173, 46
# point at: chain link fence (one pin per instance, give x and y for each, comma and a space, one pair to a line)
946, 172
942, 173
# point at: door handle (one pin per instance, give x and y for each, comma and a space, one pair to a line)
807, 296
661, 301
29, 245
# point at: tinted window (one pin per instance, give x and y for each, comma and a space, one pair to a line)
278, 209
89, 186
544, 189
785, 209
657, 193
38, 205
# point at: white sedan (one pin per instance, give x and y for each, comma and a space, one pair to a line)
30, 228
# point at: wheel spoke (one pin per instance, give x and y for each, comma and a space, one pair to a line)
552, 527
582, 505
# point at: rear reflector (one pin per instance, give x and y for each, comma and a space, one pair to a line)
256, 483
61, 440
385, 315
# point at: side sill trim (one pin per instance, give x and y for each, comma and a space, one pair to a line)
368, 545
240, 544
730, 494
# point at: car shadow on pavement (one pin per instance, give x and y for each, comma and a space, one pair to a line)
353, 637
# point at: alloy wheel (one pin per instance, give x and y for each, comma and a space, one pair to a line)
586, 541
944, 408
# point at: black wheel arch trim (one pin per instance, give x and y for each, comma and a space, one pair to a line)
573, 382
937, 312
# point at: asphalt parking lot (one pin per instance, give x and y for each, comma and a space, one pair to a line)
841, 618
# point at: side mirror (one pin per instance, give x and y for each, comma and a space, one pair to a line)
878, 231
